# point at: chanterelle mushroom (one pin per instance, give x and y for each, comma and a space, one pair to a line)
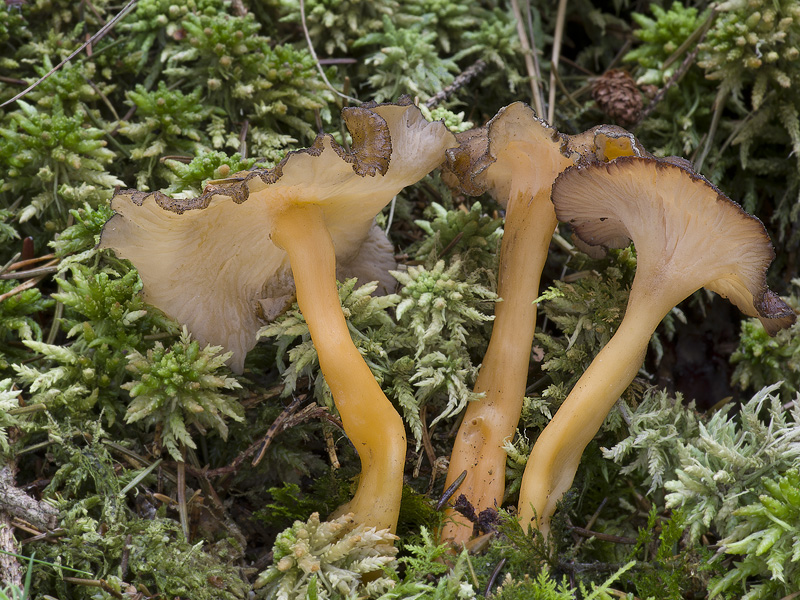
517, 157
219, 261
687, 235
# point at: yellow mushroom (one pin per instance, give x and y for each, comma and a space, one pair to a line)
223, 261
516, 157
687, 235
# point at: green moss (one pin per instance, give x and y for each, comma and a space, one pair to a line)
179, 388
56, 160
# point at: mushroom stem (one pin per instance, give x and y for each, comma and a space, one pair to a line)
369, 419
530, 222
557, 452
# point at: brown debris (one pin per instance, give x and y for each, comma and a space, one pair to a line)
617, 96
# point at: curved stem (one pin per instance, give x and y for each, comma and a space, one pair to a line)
557, 452
369, 419
488, 422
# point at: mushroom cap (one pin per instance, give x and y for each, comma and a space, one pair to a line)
208, 261
515, 144
374, 261
687, 233
604, 143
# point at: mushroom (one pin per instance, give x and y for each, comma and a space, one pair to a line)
517, 157
687, 235
221, 262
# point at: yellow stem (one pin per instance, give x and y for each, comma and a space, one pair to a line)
557, 452
488, 422
369, 419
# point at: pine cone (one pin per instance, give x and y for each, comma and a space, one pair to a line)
617, 96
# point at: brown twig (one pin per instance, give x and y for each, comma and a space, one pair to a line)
616, 539
575, 567
463, 79
256, 399
493, 577
47, 536
449, 492
176, 157
312, 411
676, 76
92, 8
13, 259
592, 520
26, 263
451, 245
21, 288
51, 267
528, 56
276, 427
12, 81
25, 526
264, 441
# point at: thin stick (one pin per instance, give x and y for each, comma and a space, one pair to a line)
10, 263
561, 17
528, 56
539, 97
463, 79
21, 288
31, 272
309, 412
96, 37
243, 138
94, 11
676, 76
564, 89
719, 104
103, 97
494, 575
182, 510
98, 583
449, 492
26, 263
276, 428
426, 438
30, 408
451, 245
593, 520
331, 447
314, 56
136, 480
696, 38
603, 536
